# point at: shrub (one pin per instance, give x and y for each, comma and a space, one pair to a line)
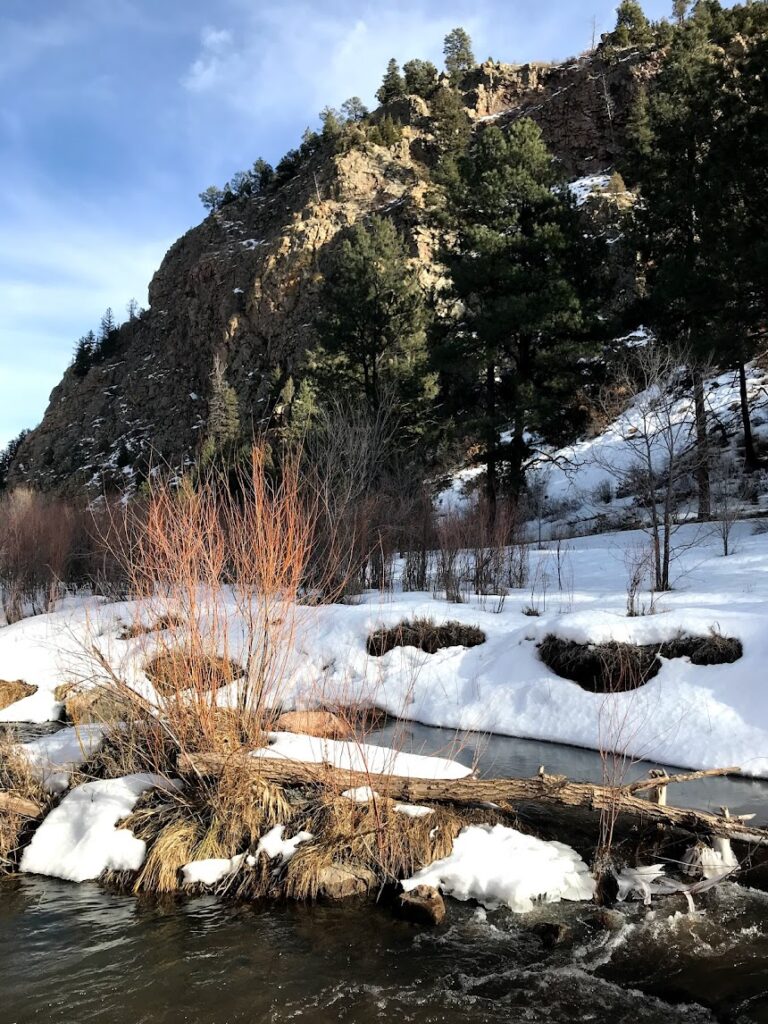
618, 667
425, 634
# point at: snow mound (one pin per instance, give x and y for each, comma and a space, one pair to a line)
499, 866
273, 844
78, 840
54, 757
358, 757
210, 871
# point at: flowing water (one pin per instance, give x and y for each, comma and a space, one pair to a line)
72, 954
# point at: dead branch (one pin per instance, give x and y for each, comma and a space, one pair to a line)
550, 790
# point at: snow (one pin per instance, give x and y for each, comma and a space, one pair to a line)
358, 757
499, 866
583, 188
688, 715
413, 810
210, 871
55, 756
361, 794
273, 844
79, 839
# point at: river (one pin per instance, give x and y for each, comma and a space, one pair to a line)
72, 954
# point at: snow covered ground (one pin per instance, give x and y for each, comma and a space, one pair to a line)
687, 715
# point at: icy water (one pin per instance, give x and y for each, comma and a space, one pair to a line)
72, 954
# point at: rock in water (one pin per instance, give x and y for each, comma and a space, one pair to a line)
423, 905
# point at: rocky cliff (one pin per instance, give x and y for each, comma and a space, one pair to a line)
243, 284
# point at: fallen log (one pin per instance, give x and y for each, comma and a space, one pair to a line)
548, 790
19, 805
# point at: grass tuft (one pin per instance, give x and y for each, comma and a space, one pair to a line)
424, 634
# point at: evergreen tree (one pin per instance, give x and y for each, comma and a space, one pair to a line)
223, 427
387, 132
452, 128
212, 198
680, 10
372, 322
632, 26
393, 84
420, 77
674, 130
8, 455
331, 121
457, 49
85, 352
262, 174
519, 271
353, 110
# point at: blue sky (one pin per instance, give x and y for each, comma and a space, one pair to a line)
115, 114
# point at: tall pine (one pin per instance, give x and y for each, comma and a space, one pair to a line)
518, 267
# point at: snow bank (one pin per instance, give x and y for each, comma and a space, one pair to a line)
79, 840
54, 757
358, 757
499, 866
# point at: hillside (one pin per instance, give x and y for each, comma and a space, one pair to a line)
243, 284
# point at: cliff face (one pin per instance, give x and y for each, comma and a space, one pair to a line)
244, 283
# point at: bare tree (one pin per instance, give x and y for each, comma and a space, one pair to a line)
658, 443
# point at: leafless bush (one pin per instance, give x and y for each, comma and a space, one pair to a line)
40, 540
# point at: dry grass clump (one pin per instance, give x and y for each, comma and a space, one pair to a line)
10, 692
619, 667
18, 779
218, 820
136, 629
173, 671
371, 836
425, 634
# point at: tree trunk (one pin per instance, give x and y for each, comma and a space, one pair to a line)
491, 483
702, 448
751, 461
547, 790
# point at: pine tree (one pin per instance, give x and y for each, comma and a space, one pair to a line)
452, 129
353, 110
212, 198
509, 361
420, 77
671, 166
393, 84
262, 174
372, 322
680, 10
632, 26
8, 455
457, 49
223, 426
85, 352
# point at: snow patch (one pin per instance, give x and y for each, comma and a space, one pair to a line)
499, 866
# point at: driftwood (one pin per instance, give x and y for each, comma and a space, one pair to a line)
18, 805
546, 790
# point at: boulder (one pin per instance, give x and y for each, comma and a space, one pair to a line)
340, 881
10, 692
423, 905
553, 933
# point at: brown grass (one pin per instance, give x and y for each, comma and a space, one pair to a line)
619, 667
17, 779
10, 692
424, 634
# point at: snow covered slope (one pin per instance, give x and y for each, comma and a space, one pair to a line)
687, 715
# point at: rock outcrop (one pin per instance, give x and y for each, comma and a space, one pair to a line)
243, 284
